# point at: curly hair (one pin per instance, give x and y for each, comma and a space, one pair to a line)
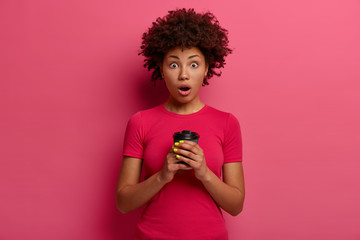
185, 28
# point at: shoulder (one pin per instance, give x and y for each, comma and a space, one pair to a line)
222, 115
225, 122
144, 119
147, 113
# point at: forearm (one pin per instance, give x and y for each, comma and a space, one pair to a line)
229, 198
134, 196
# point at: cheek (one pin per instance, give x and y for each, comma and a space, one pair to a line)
199, 78
171, 76
197, 86
169, 84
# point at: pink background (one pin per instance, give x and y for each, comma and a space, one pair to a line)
71, 78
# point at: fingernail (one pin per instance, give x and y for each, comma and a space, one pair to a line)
175, 149
178, 156
176, 143
181, 141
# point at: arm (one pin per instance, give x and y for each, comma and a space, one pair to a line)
228, 194
132, 194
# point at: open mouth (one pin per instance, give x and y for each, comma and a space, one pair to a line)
184, 90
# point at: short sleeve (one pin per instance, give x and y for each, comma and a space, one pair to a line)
232, 147
133, 141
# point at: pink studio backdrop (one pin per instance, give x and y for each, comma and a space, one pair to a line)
71, 78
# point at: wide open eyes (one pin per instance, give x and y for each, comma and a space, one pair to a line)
173, 65
194, 65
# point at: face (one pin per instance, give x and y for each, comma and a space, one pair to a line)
184, 71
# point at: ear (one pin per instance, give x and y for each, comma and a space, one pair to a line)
206, 70
162, 75
161, 71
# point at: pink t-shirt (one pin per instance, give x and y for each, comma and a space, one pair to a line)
182, 209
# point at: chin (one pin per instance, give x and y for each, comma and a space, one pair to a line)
183, 100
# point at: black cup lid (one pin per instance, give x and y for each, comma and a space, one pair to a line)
186, 135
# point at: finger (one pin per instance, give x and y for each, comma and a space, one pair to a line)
184, 159
183, 152
187, 142
190, 146
177, 164
177, 150
173, 159
194, 154
186, 154
183, 166
172, 147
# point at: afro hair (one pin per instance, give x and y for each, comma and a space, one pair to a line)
185, 28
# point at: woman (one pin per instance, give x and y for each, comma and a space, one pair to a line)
183, 49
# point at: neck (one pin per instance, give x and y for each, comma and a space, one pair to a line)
184, 108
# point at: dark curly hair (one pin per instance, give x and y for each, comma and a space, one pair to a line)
185, 28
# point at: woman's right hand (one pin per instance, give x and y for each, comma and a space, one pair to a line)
171, 166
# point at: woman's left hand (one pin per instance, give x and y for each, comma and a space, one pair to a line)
192, 154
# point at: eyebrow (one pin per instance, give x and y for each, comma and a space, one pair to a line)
176, 57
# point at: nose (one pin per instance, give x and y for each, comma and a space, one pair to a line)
183, 74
